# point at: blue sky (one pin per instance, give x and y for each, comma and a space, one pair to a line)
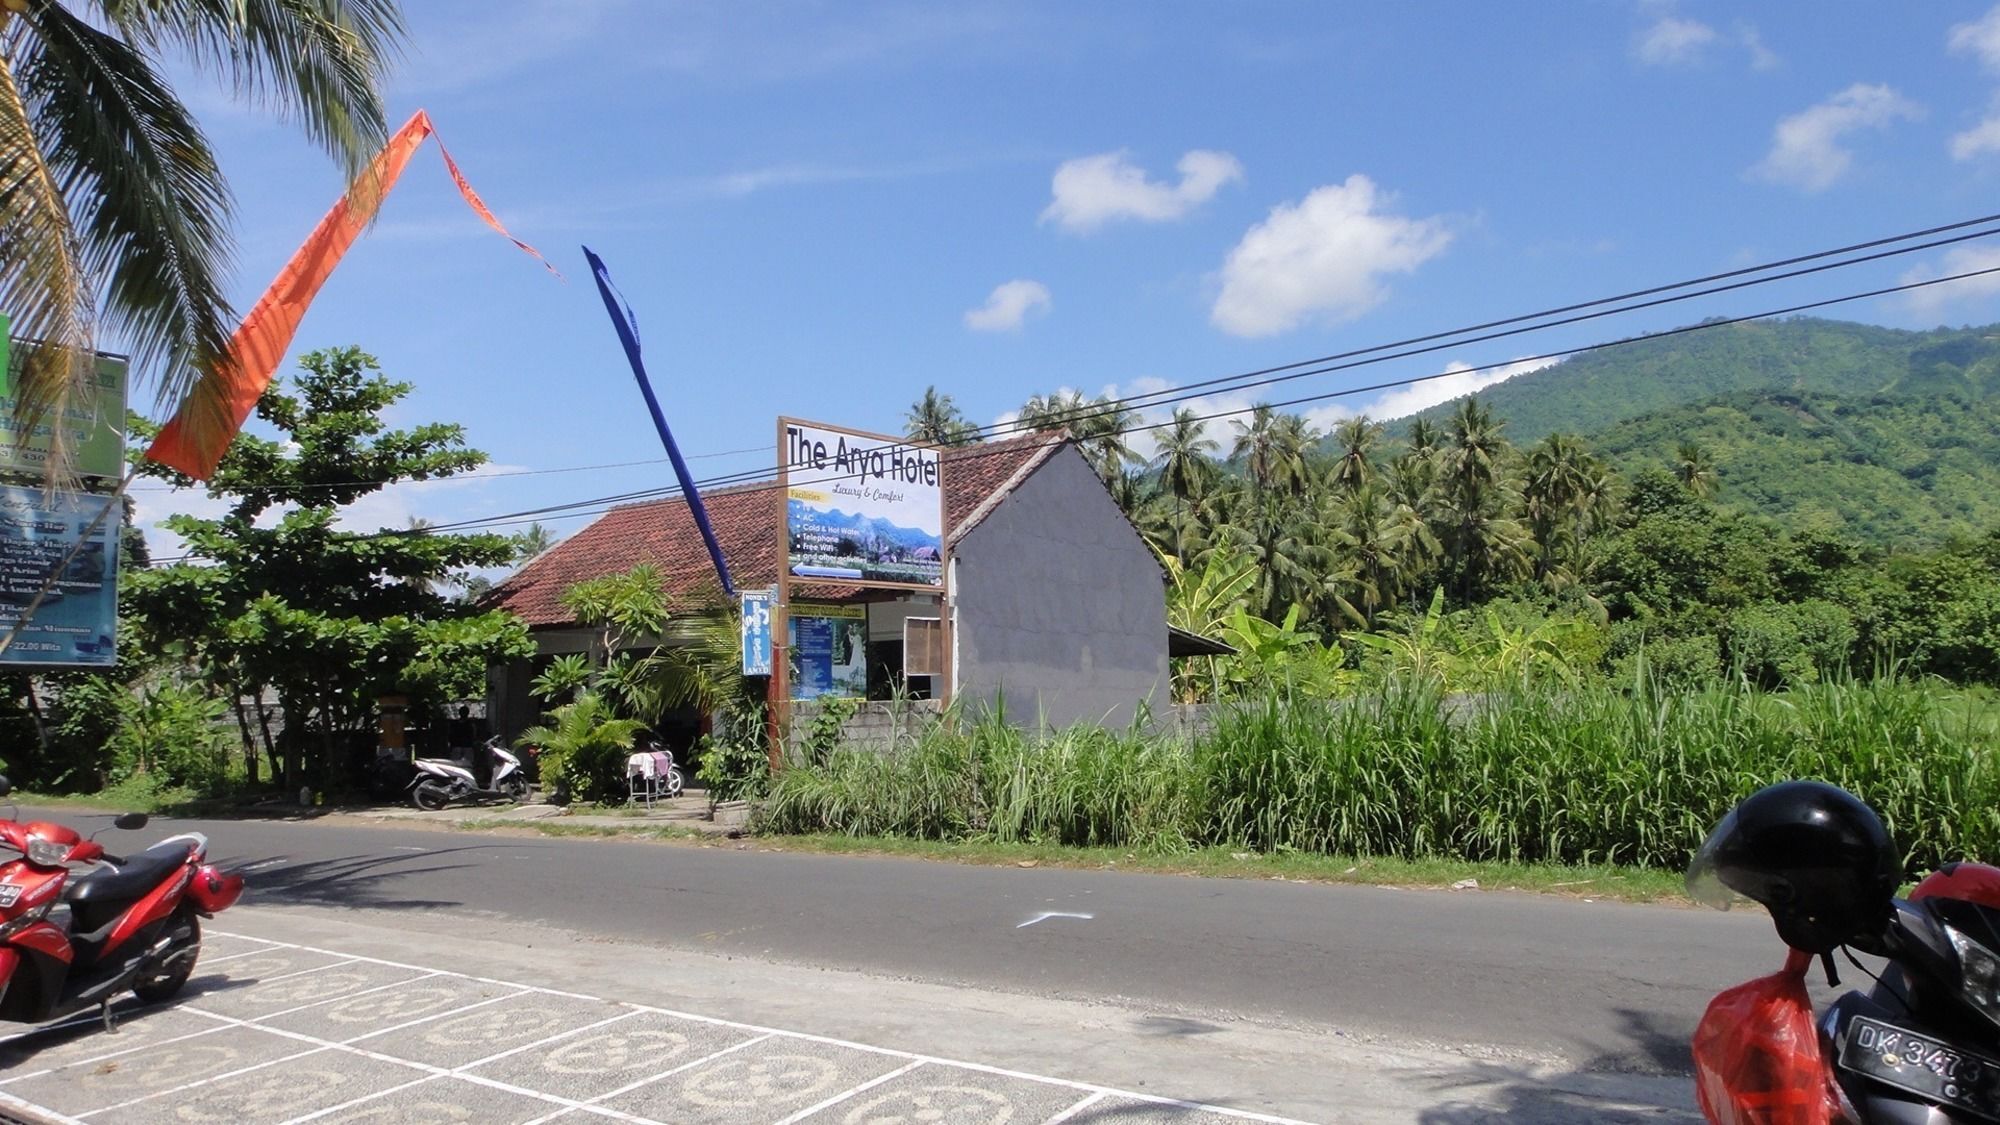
818, 209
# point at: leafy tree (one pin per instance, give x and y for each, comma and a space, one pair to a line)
114, 197
937, 420
275, 595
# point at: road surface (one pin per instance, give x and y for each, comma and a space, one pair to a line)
1606, 987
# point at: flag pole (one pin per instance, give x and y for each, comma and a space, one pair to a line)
628, 335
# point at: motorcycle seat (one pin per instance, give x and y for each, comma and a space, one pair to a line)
103, 894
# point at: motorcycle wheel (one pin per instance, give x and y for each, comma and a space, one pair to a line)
517, 788
675, 782
430, 796
164, 984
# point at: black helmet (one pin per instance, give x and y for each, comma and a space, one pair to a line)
1813, 854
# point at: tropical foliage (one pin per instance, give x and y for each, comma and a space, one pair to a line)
1627, 773
116, 210
276, 601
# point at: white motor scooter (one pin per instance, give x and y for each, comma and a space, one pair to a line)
440, 781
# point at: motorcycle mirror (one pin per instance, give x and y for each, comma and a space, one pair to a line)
131, 821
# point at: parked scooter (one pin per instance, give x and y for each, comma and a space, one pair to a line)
440, 781
70, 943
1922, 1047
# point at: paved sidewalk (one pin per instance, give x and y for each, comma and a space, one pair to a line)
300, 1014
687, 813
279, 1032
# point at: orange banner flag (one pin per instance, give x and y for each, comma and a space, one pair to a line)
223, 400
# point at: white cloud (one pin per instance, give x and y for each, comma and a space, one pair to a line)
1458, 381
1935, 300
1672, 40
1980, 38
1977, 141
1761, 57
1805, 148
1008, 306
1323, 259
1093, 190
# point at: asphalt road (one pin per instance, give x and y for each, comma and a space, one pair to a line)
1602, 985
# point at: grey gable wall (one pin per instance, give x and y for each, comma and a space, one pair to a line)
1061, 605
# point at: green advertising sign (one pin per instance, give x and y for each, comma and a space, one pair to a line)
94, 421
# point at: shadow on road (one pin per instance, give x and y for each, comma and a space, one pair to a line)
1644, 1083
355, 881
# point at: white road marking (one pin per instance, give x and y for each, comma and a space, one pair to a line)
1048, 914
1079, 1107
262, 866
808, 1111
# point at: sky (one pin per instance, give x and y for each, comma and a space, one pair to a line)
820, 209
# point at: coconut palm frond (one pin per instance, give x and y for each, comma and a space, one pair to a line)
43, 284
320, 63
150, 208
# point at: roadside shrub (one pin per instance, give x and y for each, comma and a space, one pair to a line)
173, 734
583, 749
1581, 773
733, 762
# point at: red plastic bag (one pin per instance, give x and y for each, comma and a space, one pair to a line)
1757, 1058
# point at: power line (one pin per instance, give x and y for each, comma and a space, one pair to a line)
475, 475
1329, 364
971, 454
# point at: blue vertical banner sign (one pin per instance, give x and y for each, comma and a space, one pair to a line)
628, 335
757, 631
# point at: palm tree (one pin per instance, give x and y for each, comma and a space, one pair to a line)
1556, 473
937, 420
1183, 456
1357, 438
1696, 469
1052, 412
114, 207
1425, 437
532, 543
1371, 542
1292, 439
1100, 430
1257, 445
1483, 544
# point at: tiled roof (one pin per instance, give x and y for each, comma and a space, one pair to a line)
746, 523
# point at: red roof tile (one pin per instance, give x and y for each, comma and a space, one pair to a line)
746, 523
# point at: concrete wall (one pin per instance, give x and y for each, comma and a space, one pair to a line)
1061, 606
873, 726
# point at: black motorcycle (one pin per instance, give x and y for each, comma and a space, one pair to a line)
1919, 1047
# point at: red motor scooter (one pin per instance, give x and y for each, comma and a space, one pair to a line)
70, 943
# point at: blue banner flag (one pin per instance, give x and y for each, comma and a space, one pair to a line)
628, 335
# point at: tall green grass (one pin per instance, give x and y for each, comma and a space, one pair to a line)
1573, 775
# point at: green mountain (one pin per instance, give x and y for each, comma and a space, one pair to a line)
1593, 391
1891, 436
1899, 470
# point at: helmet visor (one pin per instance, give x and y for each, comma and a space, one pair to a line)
1704, 881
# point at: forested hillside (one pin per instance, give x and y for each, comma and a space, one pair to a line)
1594, 391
